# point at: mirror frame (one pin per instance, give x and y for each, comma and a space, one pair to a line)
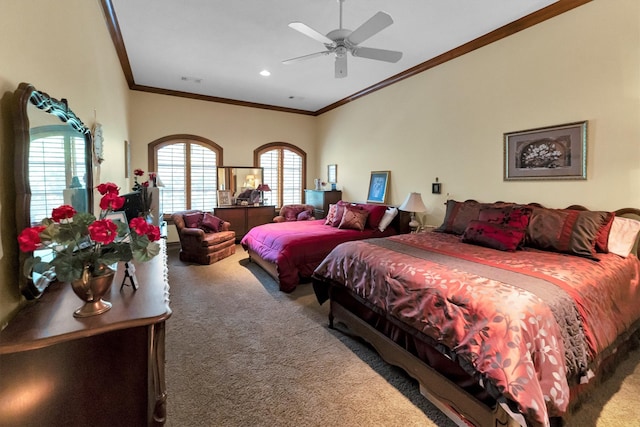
24, 95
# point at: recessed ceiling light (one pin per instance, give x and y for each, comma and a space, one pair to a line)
265, 73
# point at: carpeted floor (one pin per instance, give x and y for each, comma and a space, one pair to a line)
241, 353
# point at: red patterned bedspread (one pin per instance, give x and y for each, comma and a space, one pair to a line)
498, 311
298, 247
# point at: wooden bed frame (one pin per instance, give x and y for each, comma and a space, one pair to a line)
460, 406
401, 222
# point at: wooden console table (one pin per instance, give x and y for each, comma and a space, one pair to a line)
104, 370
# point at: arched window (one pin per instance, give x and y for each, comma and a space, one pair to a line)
186, 166
285, 171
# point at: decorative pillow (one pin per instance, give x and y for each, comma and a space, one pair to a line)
211, 223
340, 207
331, 214
565, 230
354, 218
458, 215
511, 216
304, 216
493, 235
376, 212
602, 239
388, 216
623, 235
193, 220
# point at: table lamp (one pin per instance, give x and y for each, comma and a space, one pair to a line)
262, 188
413, 203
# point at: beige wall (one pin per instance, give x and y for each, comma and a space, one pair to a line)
448, 122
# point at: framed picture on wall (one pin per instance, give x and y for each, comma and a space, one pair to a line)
332, 174
553, 152
378, 184
224, 197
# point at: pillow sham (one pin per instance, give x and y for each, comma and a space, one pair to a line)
458, 215
565, 230
354, 218
602, 239
623, 235
389, 214
493, 235
376, 212
193, 220
211, 223
331, 214
304, 216
512, 216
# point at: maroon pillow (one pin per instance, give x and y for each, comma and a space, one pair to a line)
565, 230
304, 216
493, 235
376, 212
193, 220
458, 215
354, 218
211, 223
510, 216
602, 239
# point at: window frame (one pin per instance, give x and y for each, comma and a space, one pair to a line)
282, 146
154, 146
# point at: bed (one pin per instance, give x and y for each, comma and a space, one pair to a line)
495, 334
290, 251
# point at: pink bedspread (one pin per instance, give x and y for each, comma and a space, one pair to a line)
298, 247
494, 310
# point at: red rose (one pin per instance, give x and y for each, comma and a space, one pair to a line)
103, 231
108, 188
138, 172
153, 233
63, 212
111, 201
152, 175
139, 225
29, 239
145, 184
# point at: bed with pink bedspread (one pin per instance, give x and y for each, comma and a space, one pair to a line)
290, 251
519, 334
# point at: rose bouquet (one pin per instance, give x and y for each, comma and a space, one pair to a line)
143, 189
79, 239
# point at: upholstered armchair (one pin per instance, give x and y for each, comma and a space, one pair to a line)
204, 238
297, 212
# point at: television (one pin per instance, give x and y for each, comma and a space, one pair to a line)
132, 205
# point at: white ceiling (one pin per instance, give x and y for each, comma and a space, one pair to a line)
220, 47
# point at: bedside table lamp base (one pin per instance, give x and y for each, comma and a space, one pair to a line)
413, 203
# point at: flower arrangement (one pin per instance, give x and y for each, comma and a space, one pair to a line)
79, 239
143, 188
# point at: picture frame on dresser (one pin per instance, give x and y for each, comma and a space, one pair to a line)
224, 198
546, 153
378, 184
332, 174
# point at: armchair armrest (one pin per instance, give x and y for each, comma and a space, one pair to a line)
279, 218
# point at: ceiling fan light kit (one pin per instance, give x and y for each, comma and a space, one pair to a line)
342, 41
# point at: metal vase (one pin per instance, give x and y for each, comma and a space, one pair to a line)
91, 289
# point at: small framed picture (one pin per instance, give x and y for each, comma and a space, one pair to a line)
378, 184
436, 188
224, 197
552, 152
332, 174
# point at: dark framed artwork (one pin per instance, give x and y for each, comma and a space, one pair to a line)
378, 185
553, 152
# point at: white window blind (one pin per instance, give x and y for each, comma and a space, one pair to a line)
204, 181
171, 161
269, 163
283, 173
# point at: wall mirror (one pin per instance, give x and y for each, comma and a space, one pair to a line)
53, 161
240, 181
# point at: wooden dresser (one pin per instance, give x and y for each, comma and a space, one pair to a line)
104, 370
244, 218
321, 200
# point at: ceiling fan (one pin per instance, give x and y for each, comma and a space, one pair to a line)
342, 41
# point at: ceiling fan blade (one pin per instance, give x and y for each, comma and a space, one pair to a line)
304, 57
374, 25
310, 32
341, 66
378, 54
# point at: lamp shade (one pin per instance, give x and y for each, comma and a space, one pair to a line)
413, 203
263, 187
